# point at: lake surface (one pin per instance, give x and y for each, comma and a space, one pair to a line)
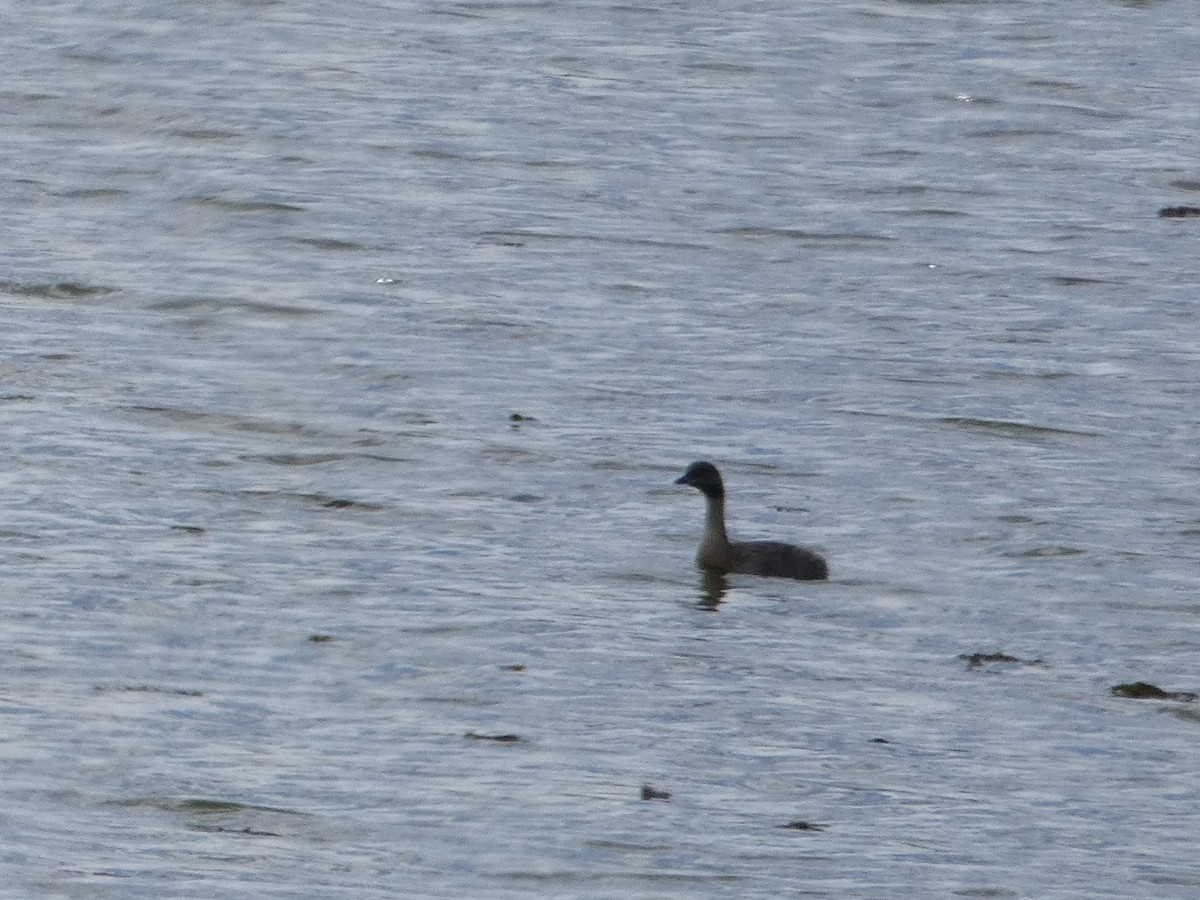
350, 351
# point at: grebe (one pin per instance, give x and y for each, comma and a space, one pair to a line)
718, 553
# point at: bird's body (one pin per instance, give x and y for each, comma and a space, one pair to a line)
717, 553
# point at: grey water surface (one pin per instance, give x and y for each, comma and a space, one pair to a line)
350, 350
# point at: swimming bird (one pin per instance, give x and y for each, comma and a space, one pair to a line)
718, 553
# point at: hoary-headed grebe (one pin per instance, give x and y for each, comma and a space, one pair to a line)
718, 553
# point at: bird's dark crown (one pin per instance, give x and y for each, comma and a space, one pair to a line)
704, 477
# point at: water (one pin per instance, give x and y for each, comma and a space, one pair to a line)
281, 566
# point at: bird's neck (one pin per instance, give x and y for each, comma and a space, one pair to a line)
714, 546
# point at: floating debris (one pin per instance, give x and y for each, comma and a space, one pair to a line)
802, 825
498, 738
1142, 690
320, 638
650, 792
515, 667
516, 420
1179, 212
978, 660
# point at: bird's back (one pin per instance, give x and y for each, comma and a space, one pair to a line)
776, 559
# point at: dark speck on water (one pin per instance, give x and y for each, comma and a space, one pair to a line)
649, 792
1141, 690
496, 738
978, 660
802, 825
1179, 212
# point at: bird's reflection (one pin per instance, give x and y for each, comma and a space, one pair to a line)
713, 587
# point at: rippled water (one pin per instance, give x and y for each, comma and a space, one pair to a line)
349, 354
